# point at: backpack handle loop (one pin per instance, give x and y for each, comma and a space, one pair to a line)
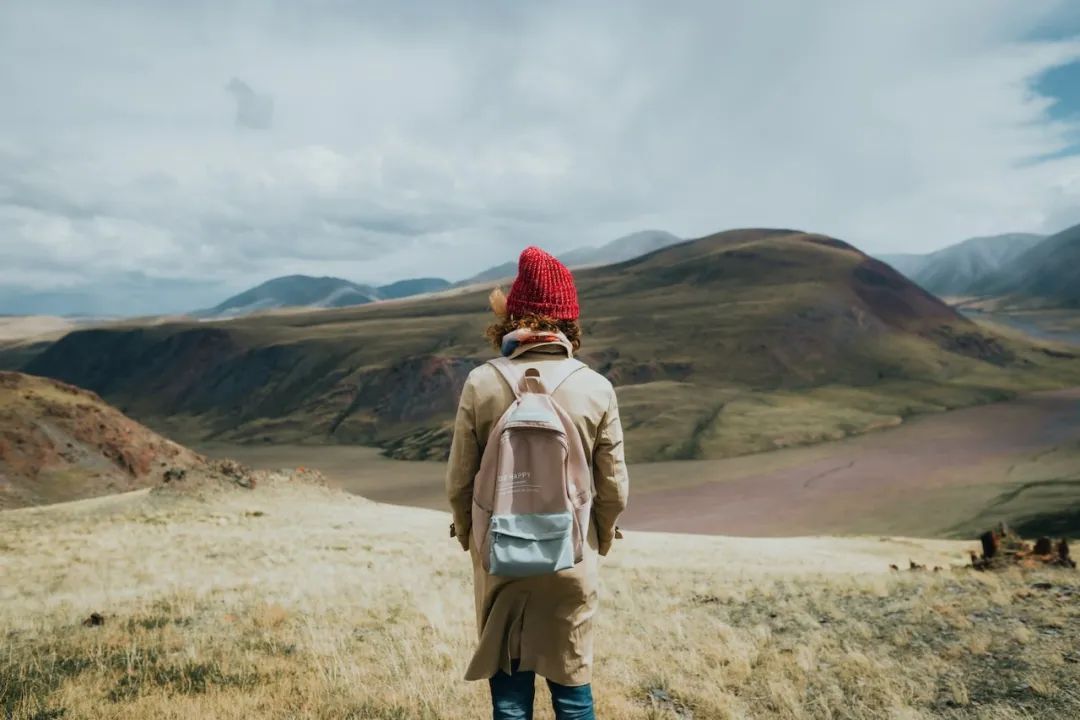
531, 380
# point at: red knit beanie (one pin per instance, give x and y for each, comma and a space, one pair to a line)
544, 286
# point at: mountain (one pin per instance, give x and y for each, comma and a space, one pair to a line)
60, 443
960, 269
1047, 274
908, 264
135, 294
505, 271
318, 292
621, 249
739, 342
408, 288
616, 251
295, 291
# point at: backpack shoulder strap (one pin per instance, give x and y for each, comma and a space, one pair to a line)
562, 373
509, 373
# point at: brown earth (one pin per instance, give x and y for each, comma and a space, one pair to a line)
59, 442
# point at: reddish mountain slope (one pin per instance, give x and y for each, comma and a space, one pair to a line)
59, 443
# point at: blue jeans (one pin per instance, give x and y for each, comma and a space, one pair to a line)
512, 697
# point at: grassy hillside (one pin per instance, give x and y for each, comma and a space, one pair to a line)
718, 347
1043, 497
294, 601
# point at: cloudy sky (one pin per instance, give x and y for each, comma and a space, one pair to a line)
197, 147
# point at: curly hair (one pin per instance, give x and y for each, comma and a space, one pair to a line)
507, 323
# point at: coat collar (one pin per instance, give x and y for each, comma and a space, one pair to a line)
523, 340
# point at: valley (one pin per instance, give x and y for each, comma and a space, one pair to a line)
1057, 326
942, 475
804, 425
742, 342
1011, 272
771, 382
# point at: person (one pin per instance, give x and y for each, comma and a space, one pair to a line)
541, 624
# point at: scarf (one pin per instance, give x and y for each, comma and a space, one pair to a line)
523, 340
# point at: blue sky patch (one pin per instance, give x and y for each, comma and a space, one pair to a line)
1063, 85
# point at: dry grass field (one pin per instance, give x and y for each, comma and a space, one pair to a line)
24, 327
297, 601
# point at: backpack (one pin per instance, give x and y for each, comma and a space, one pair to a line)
532, 497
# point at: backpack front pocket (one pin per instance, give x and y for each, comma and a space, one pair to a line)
531, 544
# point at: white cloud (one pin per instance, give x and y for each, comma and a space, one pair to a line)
420, 140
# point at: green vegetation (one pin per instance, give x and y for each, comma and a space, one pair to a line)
737, 343
1041, 496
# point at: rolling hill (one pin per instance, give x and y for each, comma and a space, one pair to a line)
739, 342
59, 443
618, 250
959, 269
1046, 275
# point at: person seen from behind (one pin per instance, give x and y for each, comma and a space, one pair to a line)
536, 482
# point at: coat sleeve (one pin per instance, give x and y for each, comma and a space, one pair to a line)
609, 476
464, 464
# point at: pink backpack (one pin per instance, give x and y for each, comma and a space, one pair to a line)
532, 496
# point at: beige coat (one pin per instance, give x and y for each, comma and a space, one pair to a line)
544, 621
